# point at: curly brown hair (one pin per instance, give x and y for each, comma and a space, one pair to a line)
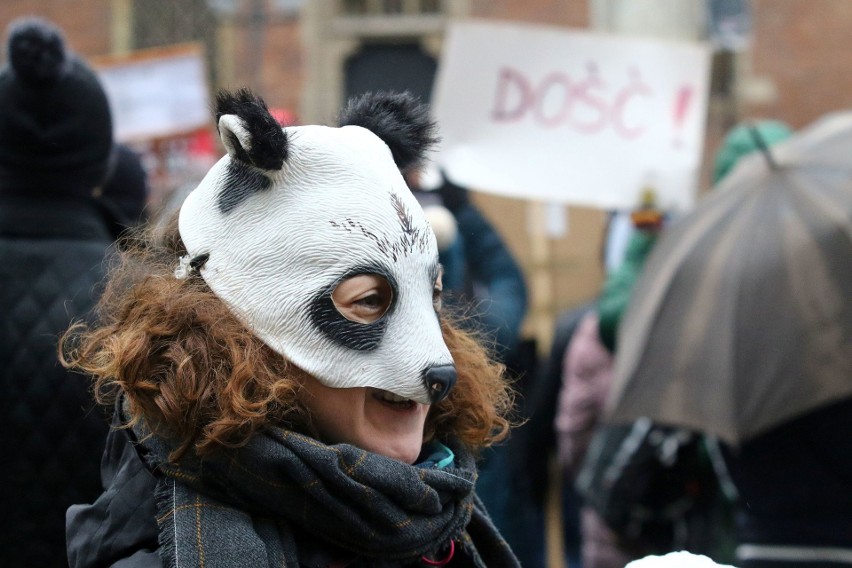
196, 374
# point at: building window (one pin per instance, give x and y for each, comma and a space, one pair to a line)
389, 7
158, 23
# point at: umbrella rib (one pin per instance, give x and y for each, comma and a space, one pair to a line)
838, 213
763, 146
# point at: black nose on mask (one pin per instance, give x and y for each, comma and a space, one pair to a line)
439, 380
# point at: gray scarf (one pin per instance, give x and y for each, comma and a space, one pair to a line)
257, 505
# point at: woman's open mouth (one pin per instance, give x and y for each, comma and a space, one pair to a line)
392, 400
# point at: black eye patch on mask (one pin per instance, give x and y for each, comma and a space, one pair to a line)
344, 332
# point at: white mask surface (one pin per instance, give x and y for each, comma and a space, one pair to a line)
274, 242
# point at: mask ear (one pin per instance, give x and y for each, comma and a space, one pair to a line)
248, 130
399, 119
235, 137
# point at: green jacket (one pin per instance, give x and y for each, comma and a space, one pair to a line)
619, 285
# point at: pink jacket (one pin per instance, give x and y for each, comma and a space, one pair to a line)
586, 378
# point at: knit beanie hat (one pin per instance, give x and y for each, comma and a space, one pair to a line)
740, 141
55, 123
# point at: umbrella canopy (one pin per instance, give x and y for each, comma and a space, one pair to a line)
742, 318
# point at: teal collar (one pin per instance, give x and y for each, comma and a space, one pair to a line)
435, 455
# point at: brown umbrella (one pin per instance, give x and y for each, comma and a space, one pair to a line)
742, 318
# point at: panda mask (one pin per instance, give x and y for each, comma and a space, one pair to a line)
288, 214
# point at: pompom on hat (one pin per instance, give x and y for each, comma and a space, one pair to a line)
55, 121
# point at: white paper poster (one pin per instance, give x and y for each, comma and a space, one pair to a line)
569, 116
157, 94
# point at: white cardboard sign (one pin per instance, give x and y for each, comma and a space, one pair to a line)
572, 117
156, 94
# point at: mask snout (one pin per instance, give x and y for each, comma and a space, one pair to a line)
439, 380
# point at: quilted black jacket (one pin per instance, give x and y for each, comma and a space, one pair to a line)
51, 260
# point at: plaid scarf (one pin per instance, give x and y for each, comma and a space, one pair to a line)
243, 507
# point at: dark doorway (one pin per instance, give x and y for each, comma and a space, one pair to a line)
391, 67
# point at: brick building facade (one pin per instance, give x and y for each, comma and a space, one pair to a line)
793, 70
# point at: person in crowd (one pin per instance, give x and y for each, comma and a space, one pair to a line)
744, 139
537, 436
483, 279
538, 433
796, 484
796, 479
586, 378
588, 372
480, 273
124, 195
55, 150
288, 388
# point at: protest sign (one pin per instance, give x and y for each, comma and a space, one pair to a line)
160, 108
156, 93
571, 117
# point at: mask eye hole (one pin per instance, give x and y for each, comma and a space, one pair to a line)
437, 292
363, 298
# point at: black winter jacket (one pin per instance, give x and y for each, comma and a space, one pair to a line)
51, 259
795, 483
119, 529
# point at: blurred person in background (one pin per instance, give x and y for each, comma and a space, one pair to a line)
587, 375
684, 514
537, 437
55, 150
740, 141
483, 280
706, 524
124, 195
795, 481
480, 273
